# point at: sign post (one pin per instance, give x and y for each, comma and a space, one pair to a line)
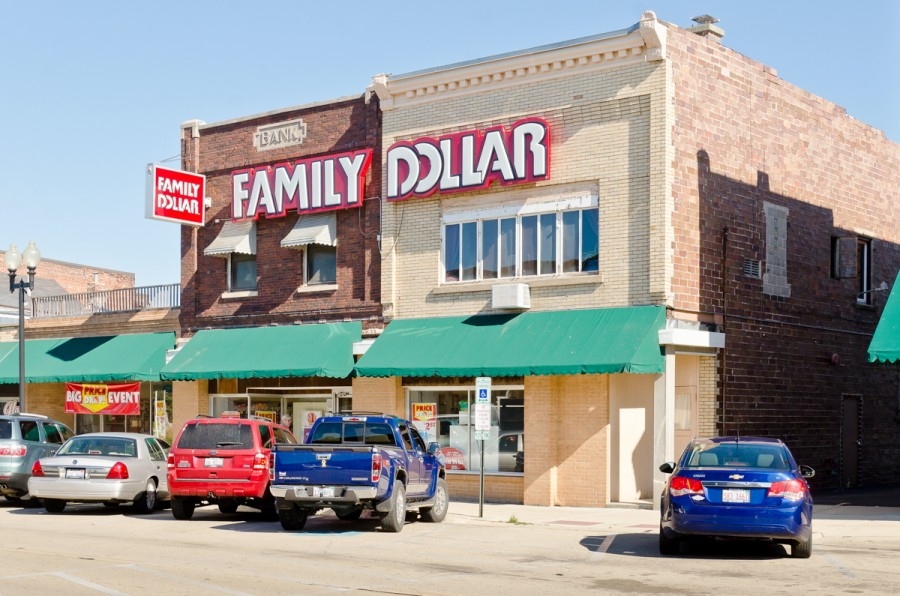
482, 428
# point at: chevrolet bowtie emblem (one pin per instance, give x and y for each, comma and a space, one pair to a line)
733, 476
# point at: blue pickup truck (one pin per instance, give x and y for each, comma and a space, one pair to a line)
351, 463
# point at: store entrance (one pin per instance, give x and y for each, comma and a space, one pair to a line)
295, 408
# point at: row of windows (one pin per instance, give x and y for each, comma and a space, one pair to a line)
522, 245
319, 263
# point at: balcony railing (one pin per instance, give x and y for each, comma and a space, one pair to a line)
107, 301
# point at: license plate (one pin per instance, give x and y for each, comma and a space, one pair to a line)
323, 491
75, 473
213, 462
735, 495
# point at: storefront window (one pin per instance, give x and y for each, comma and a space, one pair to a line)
442, 416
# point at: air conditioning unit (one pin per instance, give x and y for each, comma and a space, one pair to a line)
510, 297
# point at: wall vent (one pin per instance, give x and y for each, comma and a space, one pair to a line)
751, 268
510, 297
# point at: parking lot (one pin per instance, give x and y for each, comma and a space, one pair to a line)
509, 549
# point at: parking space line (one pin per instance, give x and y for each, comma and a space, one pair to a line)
85, 583
834, 563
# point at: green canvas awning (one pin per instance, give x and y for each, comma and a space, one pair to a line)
611, 340
320, 350
885, 346
136, 357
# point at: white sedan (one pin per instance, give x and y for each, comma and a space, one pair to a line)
109, 468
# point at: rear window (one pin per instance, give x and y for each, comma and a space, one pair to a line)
353, 432
5, 429
736, 455
93, 445
216, 436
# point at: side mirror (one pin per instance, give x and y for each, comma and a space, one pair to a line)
434, 448
667, 468
807, 472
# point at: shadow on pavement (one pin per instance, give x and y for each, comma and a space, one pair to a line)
879, 496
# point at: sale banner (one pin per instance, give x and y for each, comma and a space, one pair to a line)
120, 399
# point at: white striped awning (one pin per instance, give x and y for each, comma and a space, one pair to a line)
236, 236
318, 228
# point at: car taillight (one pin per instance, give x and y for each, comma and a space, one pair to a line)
260, 461
119, 471
271, 465
170, 462
36, 470
679, 485
791, 490
13, 450
376, 467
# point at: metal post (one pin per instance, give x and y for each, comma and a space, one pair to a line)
22, 347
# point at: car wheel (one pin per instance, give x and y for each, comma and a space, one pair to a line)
292, 519
54, 505
667, 546
802, 549
227, 506
349, 515
437, 512
146, 501
182, 508
396, 517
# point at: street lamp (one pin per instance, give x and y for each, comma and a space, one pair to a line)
31, 256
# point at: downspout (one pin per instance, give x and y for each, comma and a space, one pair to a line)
724, 290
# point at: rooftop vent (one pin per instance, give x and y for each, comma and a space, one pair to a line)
706, 27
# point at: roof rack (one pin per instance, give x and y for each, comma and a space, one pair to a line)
30, 414
363, 413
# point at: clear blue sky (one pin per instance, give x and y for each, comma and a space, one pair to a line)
92, 91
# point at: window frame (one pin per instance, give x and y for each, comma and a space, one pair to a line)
232, 272
864, 270
457, 229
308, 251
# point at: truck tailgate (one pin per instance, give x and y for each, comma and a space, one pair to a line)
323, 464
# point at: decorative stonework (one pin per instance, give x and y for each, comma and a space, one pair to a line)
645, 41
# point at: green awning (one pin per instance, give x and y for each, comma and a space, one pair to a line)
570, 342
135, 357
319, 350
885, 346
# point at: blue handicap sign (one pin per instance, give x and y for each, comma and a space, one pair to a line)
482, 394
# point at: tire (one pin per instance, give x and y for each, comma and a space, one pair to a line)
396, 517
182, 508
54, 505
667, 546
437, 512
351, 515
802, 549
228, 506
292, 519
146, 501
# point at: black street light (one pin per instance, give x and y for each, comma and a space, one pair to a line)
31, 257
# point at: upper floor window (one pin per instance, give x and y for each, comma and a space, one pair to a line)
321, 264
851, 258
519, 245
241, 272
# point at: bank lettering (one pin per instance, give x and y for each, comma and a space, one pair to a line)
328, 183
469, 160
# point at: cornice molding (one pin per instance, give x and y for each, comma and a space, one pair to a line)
645, 41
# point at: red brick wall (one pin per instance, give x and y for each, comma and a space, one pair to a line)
339, 126
75, 278
743, 137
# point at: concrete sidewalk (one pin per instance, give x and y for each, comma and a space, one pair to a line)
638, 518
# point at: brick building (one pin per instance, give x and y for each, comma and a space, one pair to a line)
284, 277
684, 177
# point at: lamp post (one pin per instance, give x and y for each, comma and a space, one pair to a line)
31, 257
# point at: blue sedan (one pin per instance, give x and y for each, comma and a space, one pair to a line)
737, 487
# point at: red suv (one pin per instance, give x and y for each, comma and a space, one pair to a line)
224, 461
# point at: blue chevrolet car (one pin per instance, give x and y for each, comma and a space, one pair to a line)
737, 488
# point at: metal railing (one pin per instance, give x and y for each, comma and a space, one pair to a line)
107, 301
